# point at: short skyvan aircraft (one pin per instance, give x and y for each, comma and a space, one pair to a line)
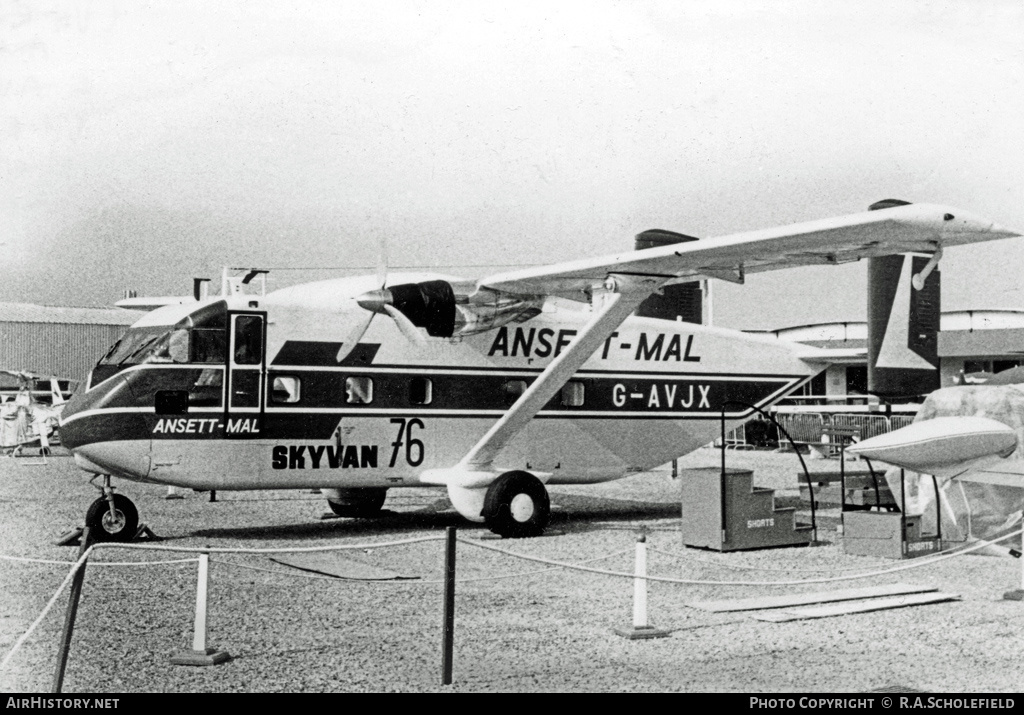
491, 388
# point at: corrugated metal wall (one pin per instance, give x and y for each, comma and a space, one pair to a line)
64, 350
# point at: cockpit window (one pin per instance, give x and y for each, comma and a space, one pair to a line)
135, 345
208, 345
198, 338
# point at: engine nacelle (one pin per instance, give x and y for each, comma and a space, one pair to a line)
447, 310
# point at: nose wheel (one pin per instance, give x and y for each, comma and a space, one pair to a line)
112, 517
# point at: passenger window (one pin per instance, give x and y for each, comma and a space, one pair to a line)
572, 394
286, 389
421, 391
513, 389
358, 390
248, 339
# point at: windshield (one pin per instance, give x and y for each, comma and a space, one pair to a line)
198, 338
131, 344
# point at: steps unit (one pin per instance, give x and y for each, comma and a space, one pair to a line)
751, 519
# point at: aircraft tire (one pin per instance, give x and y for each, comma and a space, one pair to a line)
103, 528
359, 503
516, 506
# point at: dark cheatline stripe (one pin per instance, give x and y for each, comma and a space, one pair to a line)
473, 392
638, 399
309, 353
113, 426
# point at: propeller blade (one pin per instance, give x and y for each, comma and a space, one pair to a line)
410, 331
382, 262
354, 336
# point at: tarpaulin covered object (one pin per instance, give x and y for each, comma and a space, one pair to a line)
982, 502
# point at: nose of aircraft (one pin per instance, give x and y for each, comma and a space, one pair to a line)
105, 437
127, 459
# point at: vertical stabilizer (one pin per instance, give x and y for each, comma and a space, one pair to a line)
682, 301
903, 324
56, 397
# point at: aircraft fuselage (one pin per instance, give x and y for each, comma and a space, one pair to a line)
261, 400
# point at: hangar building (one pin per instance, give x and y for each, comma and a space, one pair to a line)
969, 342
63, 342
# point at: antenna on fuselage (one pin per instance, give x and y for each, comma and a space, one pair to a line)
200, 288
234, 284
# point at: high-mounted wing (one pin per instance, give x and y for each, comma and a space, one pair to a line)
909, 228
147, 304
891, 227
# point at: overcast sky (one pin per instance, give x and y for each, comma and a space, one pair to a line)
142, 144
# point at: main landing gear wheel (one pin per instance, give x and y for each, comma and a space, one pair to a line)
516, 505
359, 503
120, 525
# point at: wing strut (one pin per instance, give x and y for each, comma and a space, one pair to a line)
625, 293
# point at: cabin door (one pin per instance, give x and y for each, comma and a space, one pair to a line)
246, 369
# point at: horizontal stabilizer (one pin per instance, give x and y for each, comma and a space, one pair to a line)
943, 446
833, 355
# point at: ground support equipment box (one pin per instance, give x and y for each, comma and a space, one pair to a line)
726, 512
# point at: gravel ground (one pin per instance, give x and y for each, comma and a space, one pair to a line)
527, 631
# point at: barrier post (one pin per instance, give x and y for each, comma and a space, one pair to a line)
201, 654
448, 635
72, 611
640, 628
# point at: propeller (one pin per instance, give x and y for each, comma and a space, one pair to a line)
354, 336
377, 302
406, 326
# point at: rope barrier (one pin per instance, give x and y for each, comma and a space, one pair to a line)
98, 563
238, 550
142, 563
46, 609
407, 581
743, 567
918, 563
35, 561
182, 549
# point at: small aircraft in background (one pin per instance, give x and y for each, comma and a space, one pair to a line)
965, 448
491, 388
26, 421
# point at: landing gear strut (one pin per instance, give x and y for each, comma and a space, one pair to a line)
357, 503
112, 517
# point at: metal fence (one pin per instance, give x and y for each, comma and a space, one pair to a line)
813, 427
